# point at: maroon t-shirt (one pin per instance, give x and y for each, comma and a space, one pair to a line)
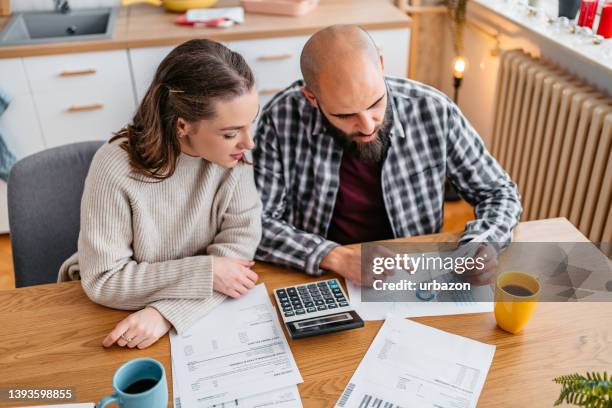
359, 213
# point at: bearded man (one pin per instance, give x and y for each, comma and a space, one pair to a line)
349, 155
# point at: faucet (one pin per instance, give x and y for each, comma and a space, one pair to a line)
62, 6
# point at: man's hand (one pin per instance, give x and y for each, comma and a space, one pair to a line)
347, 263
142, 329
480, 277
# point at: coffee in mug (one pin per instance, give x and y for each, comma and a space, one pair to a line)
139, 383
516, 297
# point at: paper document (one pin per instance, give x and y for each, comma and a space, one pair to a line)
461, 302
283, 398
410, 365
417, 308
237, 351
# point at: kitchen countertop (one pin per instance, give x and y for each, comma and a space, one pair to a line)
148, 26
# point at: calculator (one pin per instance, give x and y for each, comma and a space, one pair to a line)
316, 308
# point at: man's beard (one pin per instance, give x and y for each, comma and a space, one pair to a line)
368, 152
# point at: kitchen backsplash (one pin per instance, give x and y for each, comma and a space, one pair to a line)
27, 5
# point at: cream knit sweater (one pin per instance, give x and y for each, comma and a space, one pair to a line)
146, 243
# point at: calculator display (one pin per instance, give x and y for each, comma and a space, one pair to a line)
323, 320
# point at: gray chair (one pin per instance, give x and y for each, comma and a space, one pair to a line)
44, 200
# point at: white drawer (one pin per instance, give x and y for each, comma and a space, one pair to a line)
70, 118
77, 72
275, 62
144, 63
20, 127
393, 45
13, 80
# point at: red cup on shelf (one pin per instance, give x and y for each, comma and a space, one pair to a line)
605, 21
588, 9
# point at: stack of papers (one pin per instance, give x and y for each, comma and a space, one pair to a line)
411, 365
236, 356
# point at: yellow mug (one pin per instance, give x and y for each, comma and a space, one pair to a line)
516, 297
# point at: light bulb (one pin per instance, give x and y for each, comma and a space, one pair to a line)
460, 65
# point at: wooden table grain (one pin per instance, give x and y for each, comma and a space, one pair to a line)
50, 336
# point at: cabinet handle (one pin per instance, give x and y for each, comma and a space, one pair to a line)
270, 91
84, 108
77, 73
279, 57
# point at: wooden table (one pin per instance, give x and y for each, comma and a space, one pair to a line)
51, 336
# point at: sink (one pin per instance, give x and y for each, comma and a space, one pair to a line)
53, 27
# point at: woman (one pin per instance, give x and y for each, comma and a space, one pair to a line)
170, 217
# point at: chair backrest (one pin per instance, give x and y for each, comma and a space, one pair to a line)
44, 201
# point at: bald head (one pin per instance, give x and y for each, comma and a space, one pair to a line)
332, 55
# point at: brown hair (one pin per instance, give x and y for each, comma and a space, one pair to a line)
186, 85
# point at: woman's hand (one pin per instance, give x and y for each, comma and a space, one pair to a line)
142, 329
233, 277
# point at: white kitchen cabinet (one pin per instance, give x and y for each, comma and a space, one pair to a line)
19, 124
71, 73
88, 115
20, 128
80, 97
13, 78
275, 62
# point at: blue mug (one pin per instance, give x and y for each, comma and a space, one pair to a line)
139, 383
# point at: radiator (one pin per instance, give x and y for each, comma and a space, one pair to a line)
553, 134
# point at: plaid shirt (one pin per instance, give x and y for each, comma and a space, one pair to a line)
297, 164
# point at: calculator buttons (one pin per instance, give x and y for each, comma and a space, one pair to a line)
310, 298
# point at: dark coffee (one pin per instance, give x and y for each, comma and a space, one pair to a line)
140, 386
517, 290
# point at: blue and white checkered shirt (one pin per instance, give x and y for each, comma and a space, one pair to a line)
297, 164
